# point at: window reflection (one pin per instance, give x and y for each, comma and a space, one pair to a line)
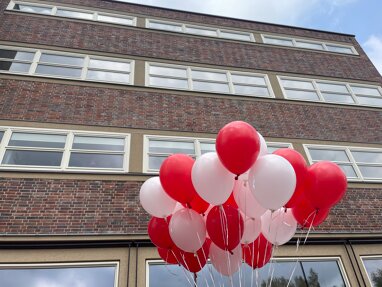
373, 268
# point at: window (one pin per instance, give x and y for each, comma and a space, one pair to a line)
359, 164
58, 150
208, 80
331, 92
46, 63
53, 10
309, 44
100, 274
158, 148
373, 266
200, 30
308, 272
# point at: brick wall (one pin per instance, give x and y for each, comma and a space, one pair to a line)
62, 103
42, 206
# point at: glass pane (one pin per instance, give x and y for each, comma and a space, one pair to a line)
59, 277
64, 60
16, 55
207, 147
371, 171
273, 147
339, 49
338, 88
74, 14
59, 71
167, 71
98, 143
14, 67
250, 90
37, 140
338, 98
235, 36
96, 160
326, 154
165, 26
32, 9
370, 101
374, 270
156, 161
303, 95
210, 87
278, 41
109, 65
306, 85
113, 19
323, 273
249, 80
108, 76
309, 45
170, 83
367, 156
365, 91
171, 147
201, 31
36, 158
210, 76
348, 170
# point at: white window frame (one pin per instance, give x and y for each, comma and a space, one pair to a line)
54, 8
184, 26
84, 68
378, 257
322, 43
196, 140
189, 79
64, 167
352, 162
15, 266
277, 259
316, 89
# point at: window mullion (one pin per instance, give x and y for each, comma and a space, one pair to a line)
11, 5
36, 59
230, 83
352, 94
85, 68
318, 91
95, 16
354, 163
4, 143
54, 10
197, 147
67, 150
189, 79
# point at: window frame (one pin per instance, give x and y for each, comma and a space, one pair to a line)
322, 43
84, 67
352, 162
319, 92
230, 83
54, 8
362, 257
201, 27
66, 151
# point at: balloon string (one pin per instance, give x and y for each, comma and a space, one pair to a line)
273, 266
184, 271
295, 265
200, 265
311, 225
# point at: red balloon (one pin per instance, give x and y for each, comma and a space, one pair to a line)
238, 146
300, 168
325, 184
159, 233
198, 204
231, 201
225, 226
175, 177
194, 262
258, 253
169, 256
306, 215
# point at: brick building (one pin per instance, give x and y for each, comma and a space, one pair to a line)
95, 94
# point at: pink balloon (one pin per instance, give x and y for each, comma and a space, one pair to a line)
252, 230
278, 227
187, 230
225, 262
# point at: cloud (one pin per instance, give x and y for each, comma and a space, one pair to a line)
373, 48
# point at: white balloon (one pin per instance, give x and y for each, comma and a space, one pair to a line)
187, 230
154, 199
272, 181
279, 226
225, 262
245, 200
212, 181
252, 229
263, 146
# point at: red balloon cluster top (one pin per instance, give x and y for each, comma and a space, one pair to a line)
234, 205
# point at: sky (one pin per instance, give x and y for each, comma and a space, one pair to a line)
362, 18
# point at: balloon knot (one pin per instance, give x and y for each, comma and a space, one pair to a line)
230, 252
237, 177
188, 205
203, 214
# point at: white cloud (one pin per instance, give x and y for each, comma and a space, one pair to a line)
373, 48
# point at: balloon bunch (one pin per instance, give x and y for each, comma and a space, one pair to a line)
236, 204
